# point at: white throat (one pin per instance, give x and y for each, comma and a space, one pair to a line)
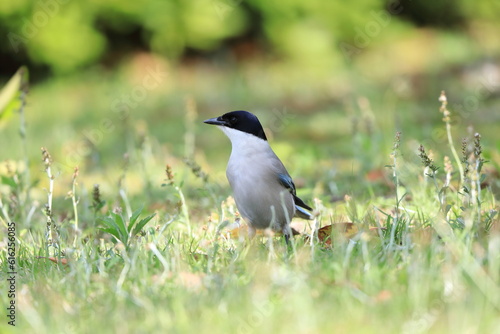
245, 143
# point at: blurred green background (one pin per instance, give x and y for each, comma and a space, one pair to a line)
121, 88
331, 81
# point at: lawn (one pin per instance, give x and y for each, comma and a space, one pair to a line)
141, 238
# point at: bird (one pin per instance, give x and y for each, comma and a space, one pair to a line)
264, 192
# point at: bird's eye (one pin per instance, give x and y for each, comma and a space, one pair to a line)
233, 120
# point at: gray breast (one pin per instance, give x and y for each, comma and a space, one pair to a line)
260, 198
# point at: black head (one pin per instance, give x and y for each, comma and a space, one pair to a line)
240, 120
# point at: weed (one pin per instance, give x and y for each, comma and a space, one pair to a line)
123, 230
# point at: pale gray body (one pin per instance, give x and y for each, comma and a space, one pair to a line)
253, 171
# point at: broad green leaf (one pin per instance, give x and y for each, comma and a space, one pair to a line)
121, 226
141, 224
113, 227
133, 218
110, 223
9, 95
9, 181
113, 232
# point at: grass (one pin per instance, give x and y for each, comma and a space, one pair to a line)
423, 254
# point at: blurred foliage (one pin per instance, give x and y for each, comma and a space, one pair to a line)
10, 94
337, 75
65, 36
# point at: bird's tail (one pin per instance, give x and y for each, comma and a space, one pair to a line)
302, 209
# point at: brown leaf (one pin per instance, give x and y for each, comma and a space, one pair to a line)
347, 229
191, 281
199, 256
379, 176
375, 175
241, 231
62, 261
383, 296
156, 206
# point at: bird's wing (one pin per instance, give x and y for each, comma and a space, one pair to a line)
286, 181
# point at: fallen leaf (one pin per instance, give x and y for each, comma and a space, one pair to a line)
375, 175
191, 281
383, 296
241, 231
347, 229
199, 256
156, 206
237, 232
62, 260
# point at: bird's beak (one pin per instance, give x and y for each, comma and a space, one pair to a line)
215, 121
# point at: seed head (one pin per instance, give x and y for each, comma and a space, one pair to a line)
46, 158
426, 161
170, 174
477, 146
